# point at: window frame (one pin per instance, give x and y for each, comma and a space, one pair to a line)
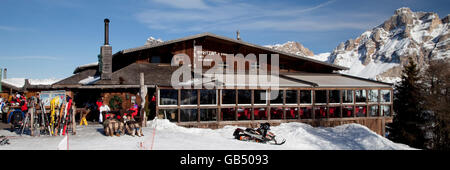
159, 98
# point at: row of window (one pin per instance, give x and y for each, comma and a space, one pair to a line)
169, 97
233, 114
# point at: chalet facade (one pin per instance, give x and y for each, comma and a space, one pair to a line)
309, 91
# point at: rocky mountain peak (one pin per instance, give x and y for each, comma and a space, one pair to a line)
292, 47
380, 53
153, 41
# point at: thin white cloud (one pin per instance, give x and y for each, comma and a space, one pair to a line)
184, 4
242, 15
8, 28
29, 58
13, 29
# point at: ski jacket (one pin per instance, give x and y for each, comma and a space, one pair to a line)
99, 104
135, 109
105, 108
23, 104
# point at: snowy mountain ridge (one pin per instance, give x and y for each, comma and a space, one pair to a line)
380, 53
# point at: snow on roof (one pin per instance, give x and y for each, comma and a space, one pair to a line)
89, 65
17, 82
82, 67
20, 82
89, 80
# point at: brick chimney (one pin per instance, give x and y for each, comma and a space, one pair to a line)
106, 55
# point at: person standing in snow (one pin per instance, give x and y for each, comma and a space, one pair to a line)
152, 114
104, 109
99, 104
88, 109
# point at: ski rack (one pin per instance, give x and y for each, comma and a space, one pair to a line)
37, 122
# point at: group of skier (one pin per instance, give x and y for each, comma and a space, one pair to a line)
117, 122
17, 101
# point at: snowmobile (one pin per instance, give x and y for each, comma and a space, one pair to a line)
260, 135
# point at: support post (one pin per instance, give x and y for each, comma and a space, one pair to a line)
31, 112
143, 94
74, 123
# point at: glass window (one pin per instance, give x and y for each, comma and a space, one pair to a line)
228, 96
320, 96
188, 97
260, 113
208, 97
335, 112
373, 95
334, 96
385, 96
171, 114
208, 114
244, 114
188, 115
347, 111
305, 97
155, 59
320, 112
279, 99
374, 111
244, 97
168, 97
291, 96
361, 111
276, 113
347, 96
386, 110
360, 96
228, 114
260, 97
305, 112
292, 113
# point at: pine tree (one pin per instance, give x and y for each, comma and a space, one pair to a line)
409, 120
437, 81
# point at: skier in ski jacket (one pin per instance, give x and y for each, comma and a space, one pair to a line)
23, 104
99, 104
104, 109
132, 111
135, 109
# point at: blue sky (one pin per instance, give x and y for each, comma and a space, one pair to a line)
49, 38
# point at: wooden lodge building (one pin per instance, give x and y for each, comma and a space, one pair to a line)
310, 91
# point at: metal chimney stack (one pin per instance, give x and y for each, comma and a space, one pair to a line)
4, 74
106, 31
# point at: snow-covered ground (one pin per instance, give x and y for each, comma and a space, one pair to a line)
169, 136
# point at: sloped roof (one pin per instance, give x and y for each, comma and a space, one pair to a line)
338, 80
154, 74
337, 67
76, 78
84, 67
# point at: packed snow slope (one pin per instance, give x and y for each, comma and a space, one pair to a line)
169, 136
